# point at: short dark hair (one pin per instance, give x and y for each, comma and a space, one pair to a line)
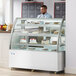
44, 6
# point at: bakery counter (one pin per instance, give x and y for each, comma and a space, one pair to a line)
5, 31
4, 48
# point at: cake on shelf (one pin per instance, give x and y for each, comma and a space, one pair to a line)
33, 40
54, 40
23, 40
56, 32
45, 42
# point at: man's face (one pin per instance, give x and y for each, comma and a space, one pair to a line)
43, 10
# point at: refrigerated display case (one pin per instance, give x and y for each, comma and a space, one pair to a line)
38, 44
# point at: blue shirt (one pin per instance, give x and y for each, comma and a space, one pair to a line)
46, 15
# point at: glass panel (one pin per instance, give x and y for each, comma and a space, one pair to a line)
38, 34
18, 42
62, 39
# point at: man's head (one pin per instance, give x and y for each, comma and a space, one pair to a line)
43, 9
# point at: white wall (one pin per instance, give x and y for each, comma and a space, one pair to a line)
7, 11
71, 36
13, 8
2, 10
17, 7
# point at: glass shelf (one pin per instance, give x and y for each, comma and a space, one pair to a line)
34, 44
30, 34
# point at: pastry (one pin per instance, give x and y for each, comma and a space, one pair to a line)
47, 22
35, 22
54, 50
63, 31
45, 42
56, 22
54, 42
52, 31
45, 49
56, 32
46, 31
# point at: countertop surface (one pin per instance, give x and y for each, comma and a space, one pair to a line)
5, 31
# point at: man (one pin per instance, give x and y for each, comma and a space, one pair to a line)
44, 13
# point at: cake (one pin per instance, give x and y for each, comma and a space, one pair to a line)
33, 40
53, 40
23, 41
45, 42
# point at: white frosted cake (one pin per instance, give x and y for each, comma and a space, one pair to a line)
33, 40
45, 42
23, 41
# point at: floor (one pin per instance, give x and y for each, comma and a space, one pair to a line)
9, 72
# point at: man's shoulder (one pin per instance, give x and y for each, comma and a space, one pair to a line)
49, 15
39, 16
46, 15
